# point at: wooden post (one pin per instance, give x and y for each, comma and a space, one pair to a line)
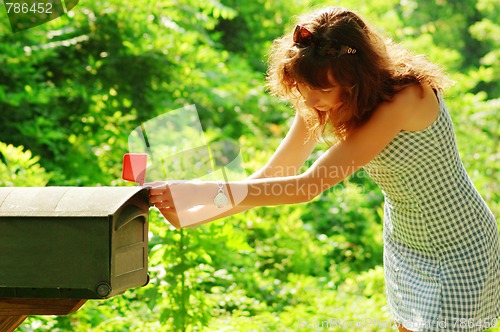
10, 323
14, 311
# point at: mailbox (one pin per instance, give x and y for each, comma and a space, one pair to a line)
72, 242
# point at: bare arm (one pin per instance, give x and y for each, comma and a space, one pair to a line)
337, 163
291, 154
334, 165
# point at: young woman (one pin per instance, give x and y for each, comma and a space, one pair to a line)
385, 109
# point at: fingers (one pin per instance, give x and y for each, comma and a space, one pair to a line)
162, 197
164, 205
160, 187
159, 192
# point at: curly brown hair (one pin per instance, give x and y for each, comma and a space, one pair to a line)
377, 70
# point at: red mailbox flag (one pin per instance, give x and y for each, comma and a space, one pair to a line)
134, 167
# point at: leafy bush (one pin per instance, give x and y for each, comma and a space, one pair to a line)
20, 168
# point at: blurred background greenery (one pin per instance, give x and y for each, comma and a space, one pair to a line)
73, 89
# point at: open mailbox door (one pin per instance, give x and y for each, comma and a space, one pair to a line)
72, 242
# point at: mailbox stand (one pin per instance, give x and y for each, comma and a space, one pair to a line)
60, 246
14, 311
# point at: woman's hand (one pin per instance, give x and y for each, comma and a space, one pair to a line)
182, 202
160, 196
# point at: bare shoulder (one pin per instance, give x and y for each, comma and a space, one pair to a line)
416, 107
413, 108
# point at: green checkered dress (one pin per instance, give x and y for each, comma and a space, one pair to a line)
441, 243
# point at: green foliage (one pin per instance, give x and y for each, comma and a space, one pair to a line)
20, 168
73, 89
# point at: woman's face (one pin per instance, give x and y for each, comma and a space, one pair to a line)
322, 100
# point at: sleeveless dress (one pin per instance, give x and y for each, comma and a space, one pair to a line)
441, 242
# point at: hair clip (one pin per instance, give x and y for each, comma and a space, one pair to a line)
302, 37
336, 51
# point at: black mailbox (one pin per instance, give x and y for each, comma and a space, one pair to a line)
72, 242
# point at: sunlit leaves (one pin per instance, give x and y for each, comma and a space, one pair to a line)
18, 167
